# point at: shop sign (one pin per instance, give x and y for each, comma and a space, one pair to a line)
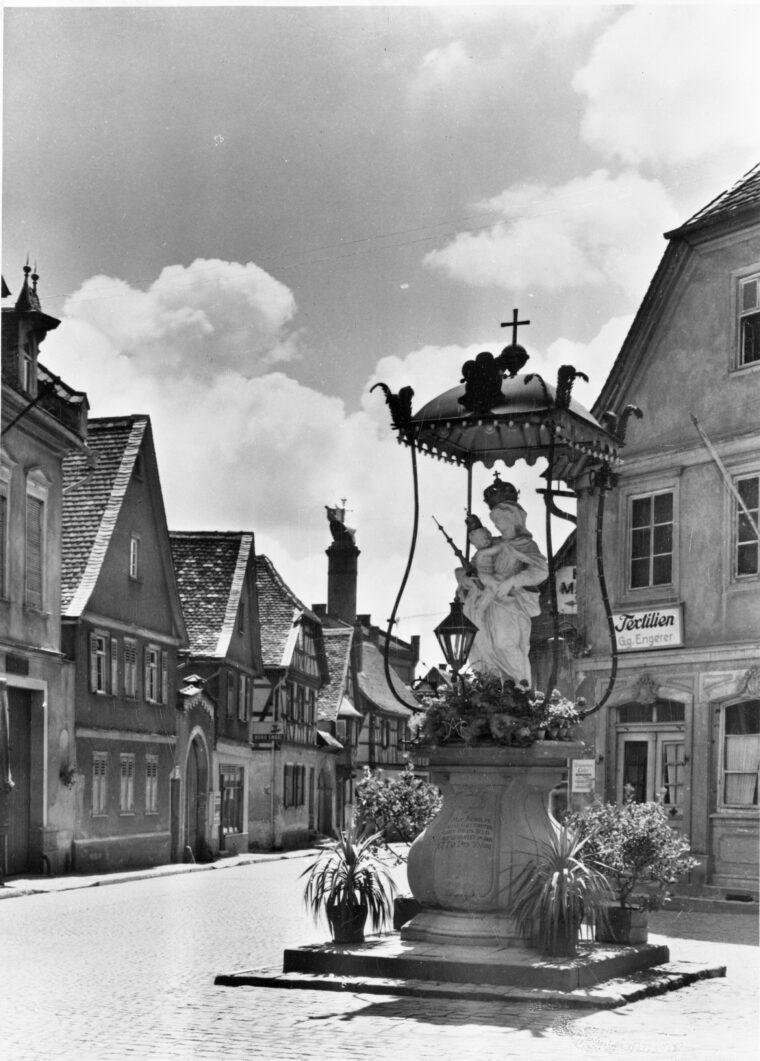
653, 628
566, 590
582, 775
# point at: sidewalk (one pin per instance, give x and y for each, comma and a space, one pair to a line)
36, 884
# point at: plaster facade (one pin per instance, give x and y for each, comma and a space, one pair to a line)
677, 542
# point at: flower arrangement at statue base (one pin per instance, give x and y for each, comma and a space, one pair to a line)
480, 708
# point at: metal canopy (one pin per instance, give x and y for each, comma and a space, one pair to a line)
527, 423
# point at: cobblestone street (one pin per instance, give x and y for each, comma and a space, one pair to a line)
127, 971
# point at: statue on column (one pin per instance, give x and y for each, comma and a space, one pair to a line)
499, 593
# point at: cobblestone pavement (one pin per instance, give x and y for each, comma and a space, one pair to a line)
103, 974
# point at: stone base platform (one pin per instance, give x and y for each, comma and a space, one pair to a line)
600, 976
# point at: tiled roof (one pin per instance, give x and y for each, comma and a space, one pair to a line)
92, 501
740, 197
278, 608
374, 686
210, 569
337, 644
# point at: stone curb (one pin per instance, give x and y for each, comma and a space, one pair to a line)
46, 885
610, 995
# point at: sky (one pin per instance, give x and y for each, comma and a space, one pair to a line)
246, 216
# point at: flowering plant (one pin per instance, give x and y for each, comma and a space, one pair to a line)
482, 707
634, 845
561, 712
400, 806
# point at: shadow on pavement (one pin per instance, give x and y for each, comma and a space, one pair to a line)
741, 928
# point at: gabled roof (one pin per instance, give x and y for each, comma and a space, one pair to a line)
279, 611
337, 644
92, 501
210, 567
374, 687
733, 208
730, 206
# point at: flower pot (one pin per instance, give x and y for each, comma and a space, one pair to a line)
565, 943
347, 923
625, 924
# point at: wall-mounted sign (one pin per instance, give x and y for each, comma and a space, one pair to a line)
566, 602
266, 733
582, 775
637, 630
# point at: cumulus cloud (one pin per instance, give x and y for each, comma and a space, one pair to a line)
193, 320
266, 453
593, 231
674, 84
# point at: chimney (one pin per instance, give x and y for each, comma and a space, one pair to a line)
342, 566
320, 610
415, 643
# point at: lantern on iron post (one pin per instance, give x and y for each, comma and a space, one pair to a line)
497, 414
455, 635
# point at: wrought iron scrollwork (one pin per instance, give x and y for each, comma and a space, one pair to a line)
399, 404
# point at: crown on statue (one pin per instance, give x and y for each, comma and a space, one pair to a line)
499, 493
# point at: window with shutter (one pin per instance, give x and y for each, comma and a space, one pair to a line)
152, 664
35, 525
164, 678
127, 787
98, 663
3, 541
151, 784
114, 666
99, 780
130, 667
242, 698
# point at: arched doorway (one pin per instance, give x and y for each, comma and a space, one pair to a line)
196, 788
325, 803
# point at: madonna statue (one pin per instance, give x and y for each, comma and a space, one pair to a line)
500, 594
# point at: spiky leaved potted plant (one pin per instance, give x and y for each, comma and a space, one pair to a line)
348, 882
556, 891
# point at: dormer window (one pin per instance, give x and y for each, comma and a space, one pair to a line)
749, 320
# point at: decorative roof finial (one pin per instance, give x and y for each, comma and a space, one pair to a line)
513, 357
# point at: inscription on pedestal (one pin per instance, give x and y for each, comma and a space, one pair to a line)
465, 851
474, 833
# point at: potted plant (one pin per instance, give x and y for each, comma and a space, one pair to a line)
641, 855
555, 892
349, 881
561, 716
481, 708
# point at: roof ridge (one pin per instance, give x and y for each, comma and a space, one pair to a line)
233, 597
712, 211
296, 601
209, 534
127, 418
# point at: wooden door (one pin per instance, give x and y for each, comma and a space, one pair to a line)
19, 798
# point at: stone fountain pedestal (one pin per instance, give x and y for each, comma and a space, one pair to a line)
462, 869
495, 813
